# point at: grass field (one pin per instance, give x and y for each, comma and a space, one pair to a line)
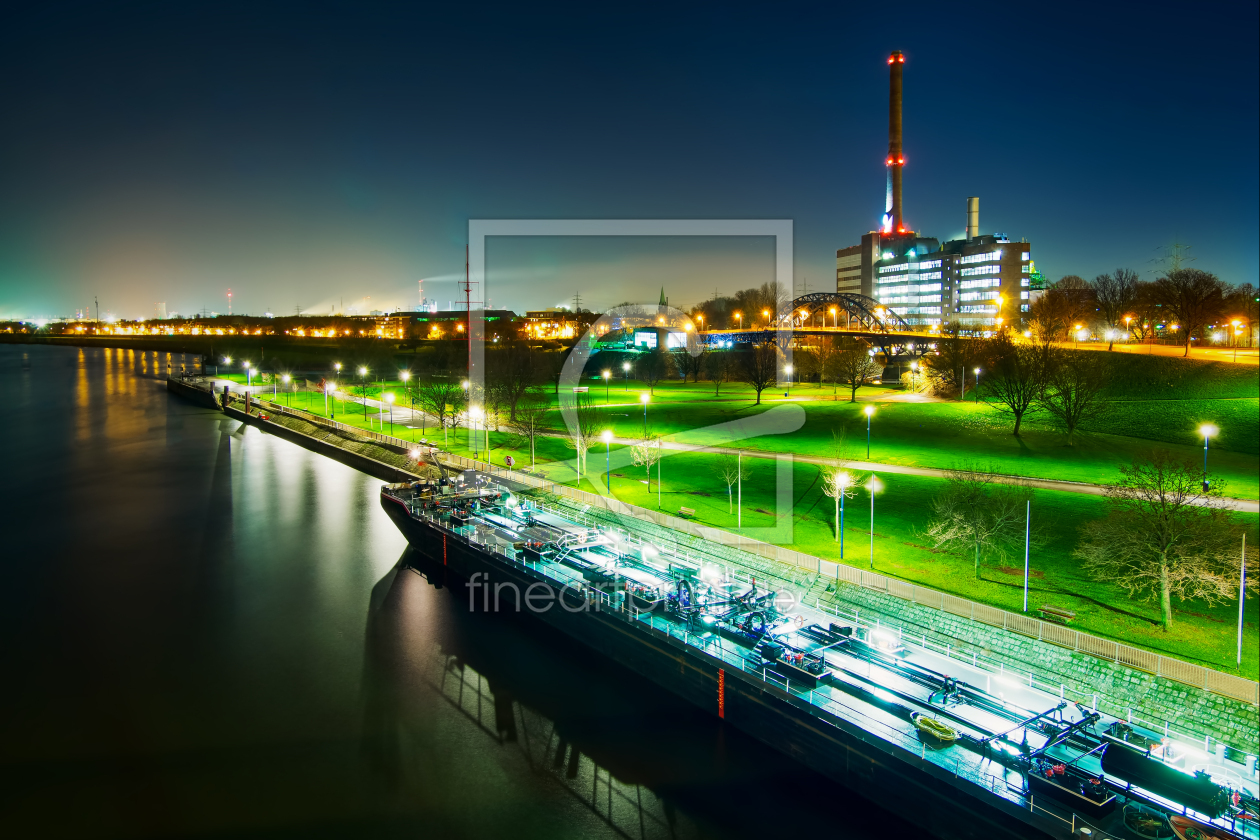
923, 434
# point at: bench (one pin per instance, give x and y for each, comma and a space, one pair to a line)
1056, 614
688, 513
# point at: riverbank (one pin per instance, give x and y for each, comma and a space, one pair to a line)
1170, 699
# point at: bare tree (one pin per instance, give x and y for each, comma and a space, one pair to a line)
444, 399
530, 421
946, 369
759, 366
1115, 294
586, 423
837, 482
1242, 304
733, 470
1066, 304
645, 454
1074, 389
826, 353
689, 365
978, 513
1016, 376
654, 366
1164, 535
718, 366
1196, 298
854, 366
510, 373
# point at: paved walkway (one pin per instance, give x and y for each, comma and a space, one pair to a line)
403, 414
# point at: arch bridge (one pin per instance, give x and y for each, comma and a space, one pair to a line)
820, 313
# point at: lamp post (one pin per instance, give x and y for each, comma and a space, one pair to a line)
788, 370
1027, 539
333, 414
328, 387
739, 320
1207, 430
873, 486
474, 414
977, 385
1127, 333
843, 481
607, 374
766, 314
869, 410
607, 460
286, 390
835, 319
700, 318
405, 376
625, 367
362, 373
249, 375
1076, 337
1234, 337
389, 398
643, 398
914, 370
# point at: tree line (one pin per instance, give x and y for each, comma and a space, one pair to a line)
1121, 303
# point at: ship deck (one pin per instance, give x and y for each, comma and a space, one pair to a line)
873, 681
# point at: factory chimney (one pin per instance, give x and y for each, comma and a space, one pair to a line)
893, 221
973, 217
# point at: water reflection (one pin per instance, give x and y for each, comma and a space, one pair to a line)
185, 651
637, 760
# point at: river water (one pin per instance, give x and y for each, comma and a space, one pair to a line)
210, 631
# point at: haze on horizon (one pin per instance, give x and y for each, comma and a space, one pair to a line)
321, 156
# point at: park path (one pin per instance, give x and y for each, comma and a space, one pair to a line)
402, 414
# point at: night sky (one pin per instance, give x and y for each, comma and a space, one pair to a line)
317, 154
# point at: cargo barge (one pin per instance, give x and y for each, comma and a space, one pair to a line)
859, 706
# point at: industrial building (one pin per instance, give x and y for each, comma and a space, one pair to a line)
980, 281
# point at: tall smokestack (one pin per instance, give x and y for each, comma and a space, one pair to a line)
973, 217
893, 221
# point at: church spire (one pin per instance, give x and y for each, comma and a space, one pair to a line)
664, 300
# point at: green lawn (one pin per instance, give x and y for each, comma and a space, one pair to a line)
928, 434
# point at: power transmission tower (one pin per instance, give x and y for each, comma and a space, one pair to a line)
577, 301
1171, 258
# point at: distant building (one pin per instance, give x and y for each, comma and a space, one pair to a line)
556, 323
973, 281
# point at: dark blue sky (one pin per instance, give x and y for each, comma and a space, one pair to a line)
310, 153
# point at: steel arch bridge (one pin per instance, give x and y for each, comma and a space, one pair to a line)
864, 317
868, 312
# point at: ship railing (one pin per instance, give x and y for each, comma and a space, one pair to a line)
999, 670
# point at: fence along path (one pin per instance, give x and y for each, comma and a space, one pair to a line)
1217, 682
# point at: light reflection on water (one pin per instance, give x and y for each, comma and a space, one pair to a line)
207, 630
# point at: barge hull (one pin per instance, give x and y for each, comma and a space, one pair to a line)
916, 790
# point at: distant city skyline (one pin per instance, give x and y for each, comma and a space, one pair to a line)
307, 157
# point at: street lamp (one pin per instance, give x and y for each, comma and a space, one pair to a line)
389, 398
474, 414
914, 369
766, 313
977, 385
362, 373
625, 367
835, 319
607, 459
286, 389
643, 398
1207, 430
1077, 337
1127, 333
1234, 337
788, 370
249, 375
328, 389
868, 411
700, 318
607, 374
843, 480
873, 486
739, 319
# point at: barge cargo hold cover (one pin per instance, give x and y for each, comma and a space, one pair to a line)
840, 697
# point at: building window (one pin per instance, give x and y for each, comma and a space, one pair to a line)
1024, 255
984, 269
1023, 281
983, 283
884, 269
1023, 295
977, 258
